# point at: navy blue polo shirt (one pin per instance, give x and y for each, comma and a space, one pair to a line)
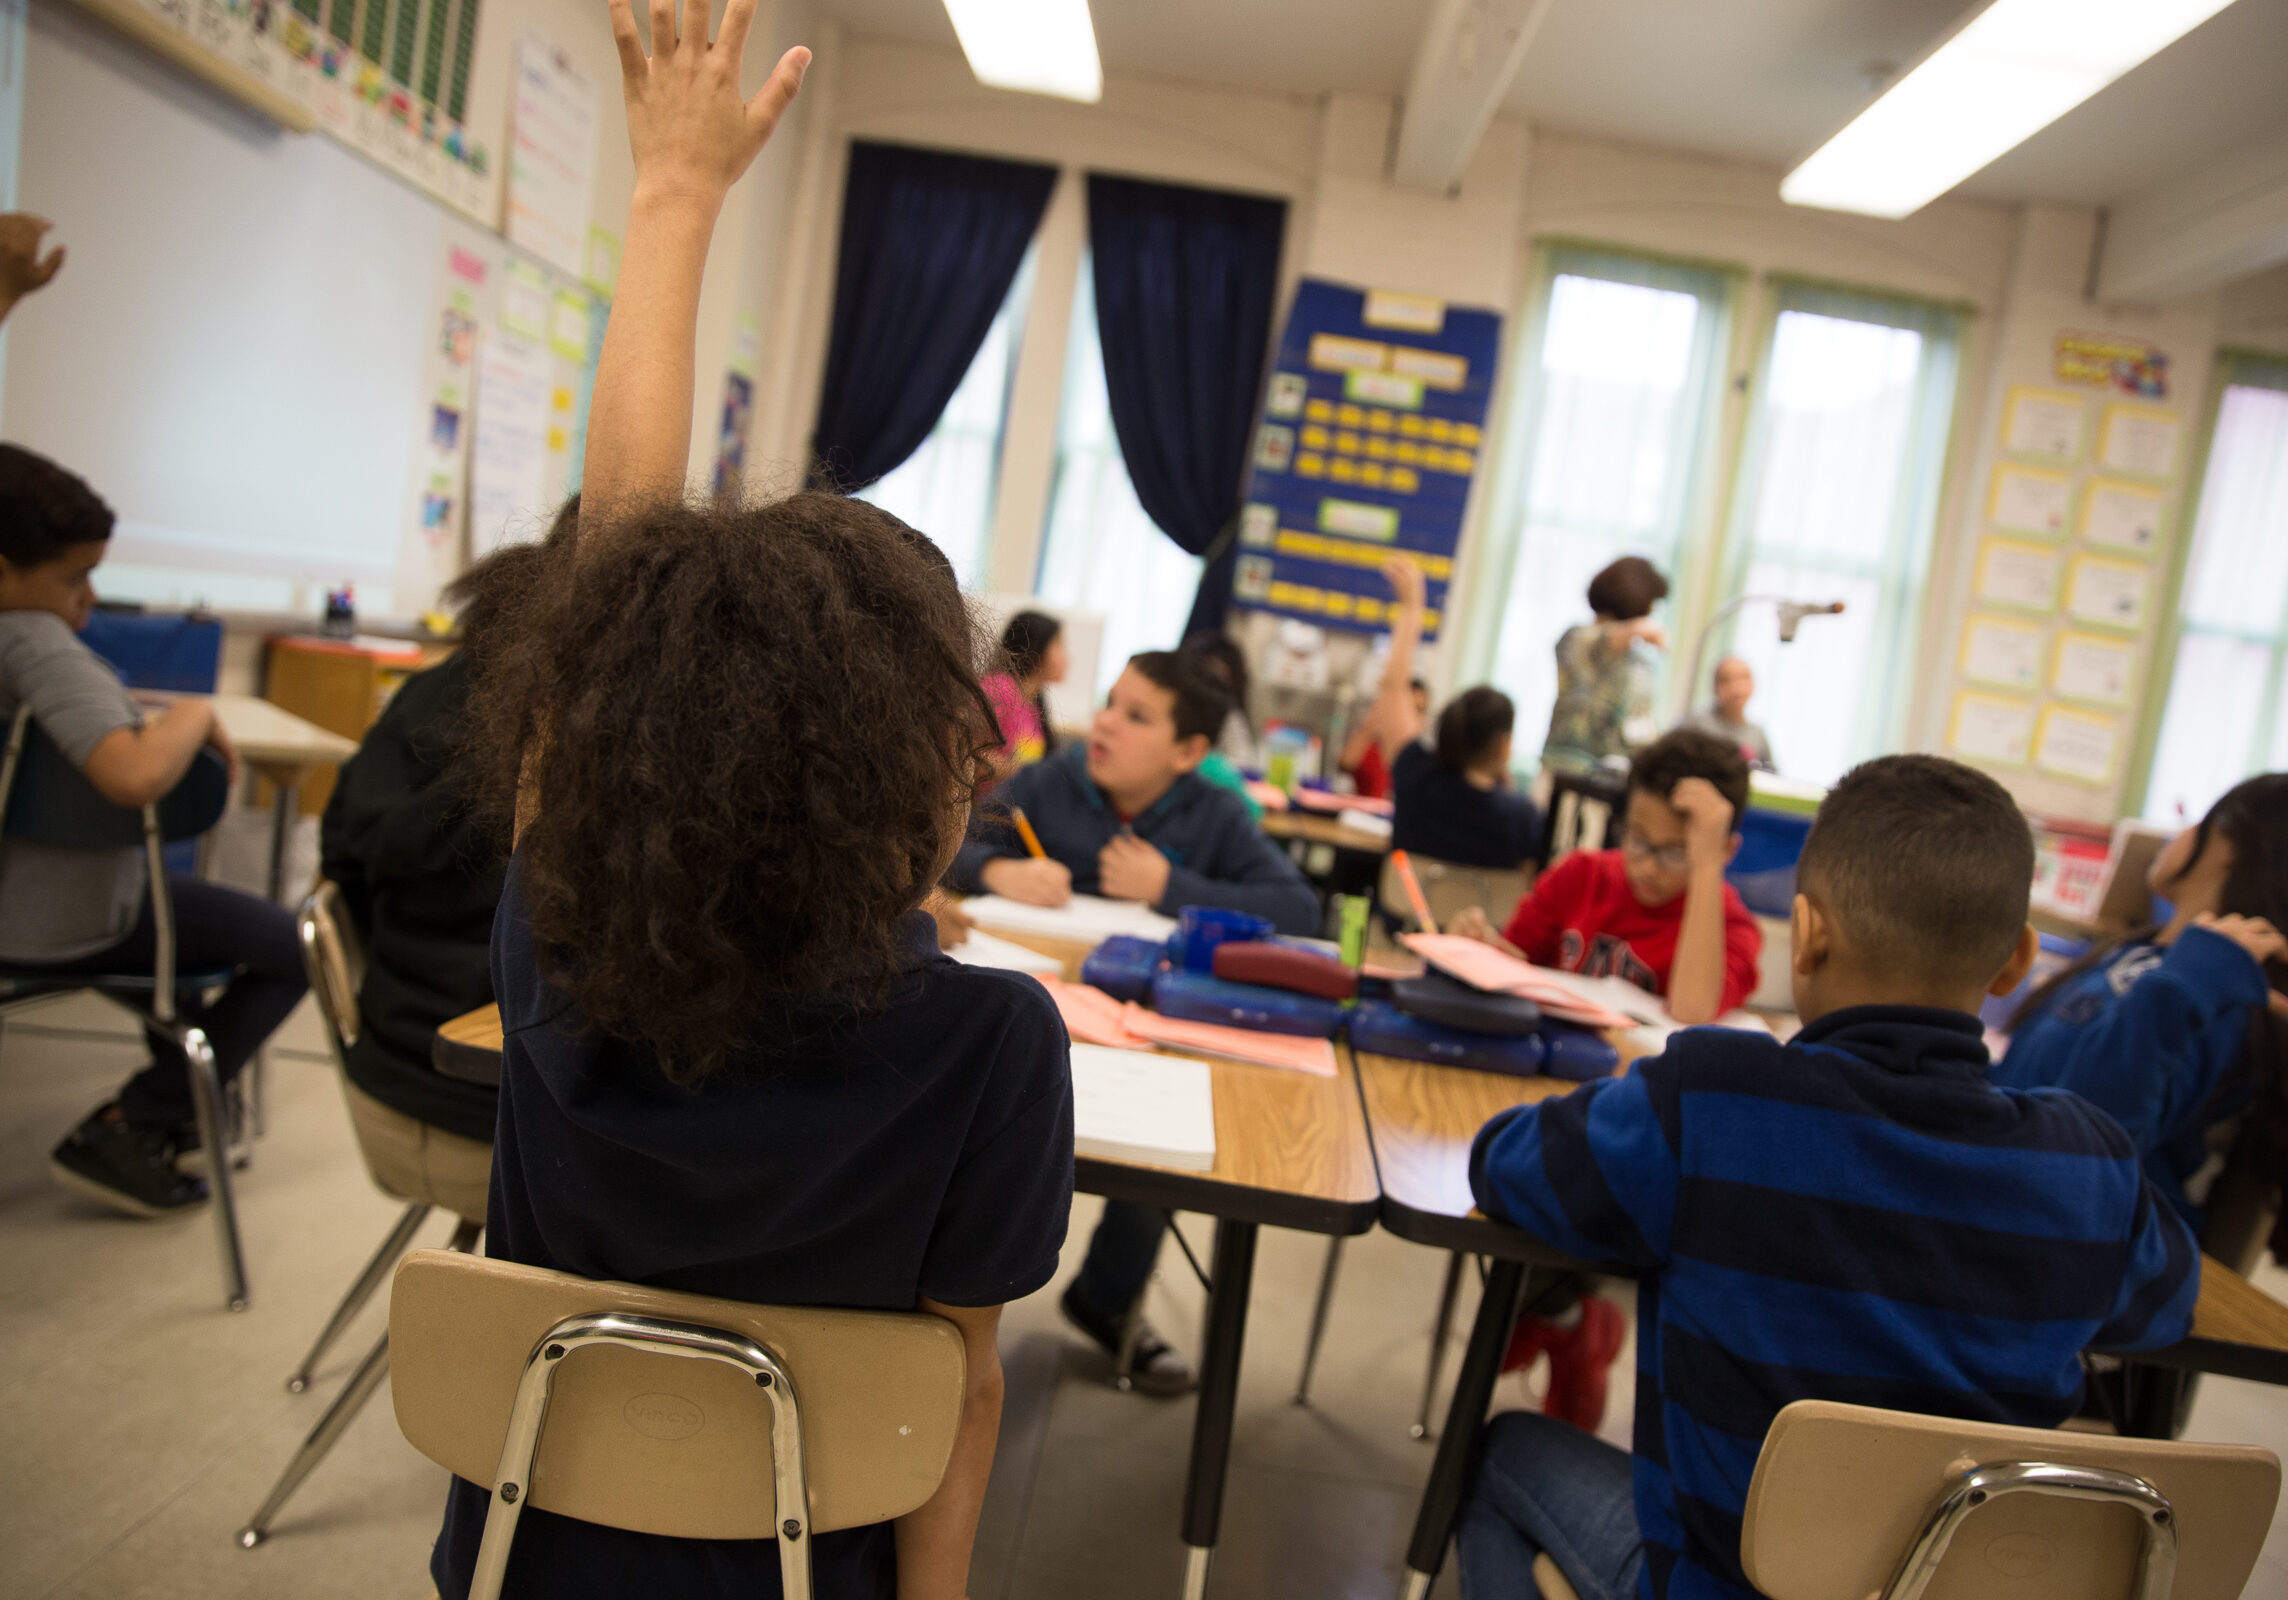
924, 1150
1436, 812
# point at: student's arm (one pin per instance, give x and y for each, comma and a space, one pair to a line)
1242, 871
934, 1541
994, 859
1594, 1172
135, 766
1614, 638
692, 137
1696, 980
1395, 722
22, 268
2160, 1279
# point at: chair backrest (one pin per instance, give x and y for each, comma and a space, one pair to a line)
663, 1445
334, 960
1452, 886
50, 801
1585, 812
1843, 1495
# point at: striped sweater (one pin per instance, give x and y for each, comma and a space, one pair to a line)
1856, 1216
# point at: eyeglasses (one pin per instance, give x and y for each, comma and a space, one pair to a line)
1672, 856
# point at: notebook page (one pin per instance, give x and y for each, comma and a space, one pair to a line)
1084, 917
1132, 1106
982, 949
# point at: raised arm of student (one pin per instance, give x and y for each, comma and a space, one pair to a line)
692, 136
1395, 721
1696, 979
22, 268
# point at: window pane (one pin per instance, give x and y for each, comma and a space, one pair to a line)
2238, 577
946, 487
1614, 411
2209, 726
1101, 552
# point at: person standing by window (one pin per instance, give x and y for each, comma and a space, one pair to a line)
1605, 671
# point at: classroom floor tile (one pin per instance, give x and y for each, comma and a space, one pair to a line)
145, 1423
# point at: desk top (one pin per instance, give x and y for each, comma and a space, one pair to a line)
1324, 830
1291, 1149
270, 735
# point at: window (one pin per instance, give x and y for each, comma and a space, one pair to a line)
2227, 714
1621, 369
1101, 552
946, 487
1838, 494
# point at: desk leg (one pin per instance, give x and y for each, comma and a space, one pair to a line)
286, 800
1233, 1275
1473, 1389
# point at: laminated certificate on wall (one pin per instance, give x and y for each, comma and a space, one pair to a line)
2074, 744
2030, 500
2012, 573
1998, 651
2109, 592
2139, 439
1987, 727
2043, 423
2121, 516
2089, 666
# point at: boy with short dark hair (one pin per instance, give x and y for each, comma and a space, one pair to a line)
1856, 1215
1126, 815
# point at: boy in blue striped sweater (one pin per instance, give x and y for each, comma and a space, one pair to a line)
1857, 1215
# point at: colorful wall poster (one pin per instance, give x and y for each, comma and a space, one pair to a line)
449, 366
2092, 668
2030, 500
1373, 426
2074, 744
2108, 592
2138, 440
2023, 575
2042, 423
1998, 651
1986, 727
2121, 516
508, 492
552, 156
2114, 361
525, 303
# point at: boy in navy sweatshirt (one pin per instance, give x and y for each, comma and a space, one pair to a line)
1127, 816
1858, 1215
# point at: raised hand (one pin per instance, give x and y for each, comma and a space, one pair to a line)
1407, 584
688, 127
22, 267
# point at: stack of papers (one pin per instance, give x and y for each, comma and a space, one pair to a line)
1568, 996
1129, 1106
1094, 1018
982, 949
1084, 918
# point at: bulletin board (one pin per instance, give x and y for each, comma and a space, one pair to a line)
1373, 429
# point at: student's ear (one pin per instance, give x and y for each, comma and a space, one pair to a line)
1191, 752
2021, 962
1808, 934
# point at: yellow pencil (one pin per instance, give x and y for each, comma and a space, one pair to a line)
1025, 832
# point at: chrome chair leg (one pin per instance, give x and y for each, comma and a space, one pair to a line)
207, 1104
1438, 1335
257, 1076
1319, 1319
322, 1439
399, 1241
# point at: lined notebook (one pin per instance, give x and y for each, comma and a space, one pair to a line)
1083, 917
1131, 1105
982, 949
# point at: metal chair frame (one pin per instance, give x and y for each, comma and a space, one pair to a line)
2156, 1563
160, 1014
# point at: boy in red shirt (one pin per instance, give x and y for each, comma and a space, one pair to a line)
1657, 911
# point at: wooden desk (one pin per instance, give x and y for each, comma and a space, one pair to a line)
284, 749
1291, 1152
1317, 828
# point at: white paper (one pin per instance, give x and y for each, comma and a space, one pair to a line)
2041, 426
524, 306
2031, 502
552, 156
2078, 747
2002, 652
2018, 575
1993, 730
1084, 917
2108, 592
982, 949
2123, 516
1133, 1105
508, 490
2142, 442
2092, 669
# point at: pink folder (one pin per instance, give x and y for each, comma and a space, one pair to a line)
1315, 1056
1481, 966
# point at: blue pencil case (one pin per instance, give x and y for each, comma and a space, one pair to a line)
1123, 965
1580, 1054
1177, 993
1382, 1029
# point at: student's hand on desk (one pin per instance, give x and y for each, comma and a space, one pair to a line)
1030, 880
953, 923
1130, 869
1707, 820
690, 131
2253, 934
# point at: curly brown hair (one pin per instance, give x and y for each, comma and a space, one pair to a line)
746, 740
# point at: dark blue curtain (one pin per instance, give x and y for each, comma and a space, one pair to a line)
1185, 285
930, 242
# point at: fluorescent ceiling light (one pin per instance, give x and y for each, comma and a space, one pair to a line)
1039, 46
2012, 70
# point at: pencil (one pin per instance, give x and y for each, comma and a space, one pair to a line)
1025, 832
1413, 887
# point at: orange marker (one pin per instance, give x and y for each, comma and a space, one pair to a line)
1026, 833
1413, 887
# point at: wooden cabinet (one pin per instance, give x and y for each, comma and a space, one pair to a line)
341, 685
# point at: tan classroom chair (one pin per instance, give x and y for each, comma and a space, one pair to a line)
638, 1408
1452, 887
1849, 1502
407, 1159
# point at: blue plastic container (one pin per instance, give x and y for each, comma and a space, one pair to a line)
1177, 993
1123, 966
1580, 1054
1384, 1030
1764, 870
1199, 929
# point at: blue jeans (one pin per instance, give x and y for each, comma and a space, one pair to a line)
1121, 1255
1545, 1486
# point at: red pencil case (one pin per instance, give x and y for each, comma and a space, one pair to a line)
1279, 966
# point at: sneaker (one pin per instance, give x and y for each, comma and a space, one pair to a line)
127, 1168
1581, 1363
191, 1153
1153, 1366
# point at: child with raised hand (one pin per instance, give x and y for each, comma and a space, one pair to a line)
2180, 1030
1856, 1215
743, 744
